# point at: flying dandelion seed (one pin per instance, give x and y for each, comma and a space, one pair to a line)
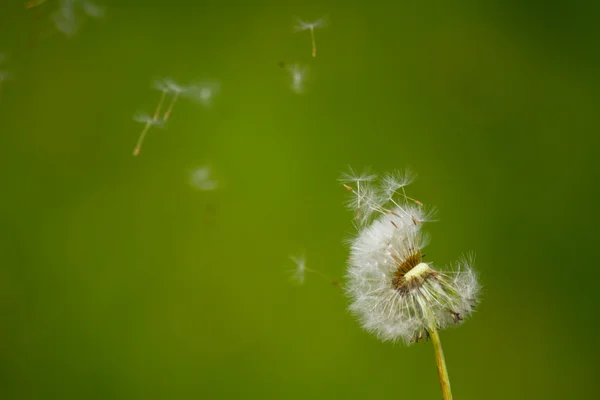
394, 293
71, 14
310, 26
200, 92
200, 178
149, 122
299, 273
176, 89
298, 74
300, 270
163, 86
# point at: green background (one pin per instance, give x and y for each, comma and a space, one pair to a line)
119, 281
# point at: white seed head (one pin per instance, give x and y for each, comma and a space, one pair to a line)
393, 292
300, 270
170, 85
305, 25
352, 177
395, 181
147, 119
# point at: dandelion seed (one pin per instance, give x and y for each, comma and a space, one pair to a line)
366, 199
149, 122
303, 26
300, 270
298, 74
394, 294
351, 176
70, 15
163, 87
200, 178
172, 87
203, 92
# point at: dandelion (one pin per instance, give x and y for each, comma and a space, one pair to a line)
200, 92
71, 13
393, 292
149, 122
303, 26
298, 73
200, 178
163, 87
301, 270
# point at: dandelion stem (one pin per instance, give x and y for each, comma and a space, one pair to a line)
168, 113
441, 363
160, 103
314, 45
140, 141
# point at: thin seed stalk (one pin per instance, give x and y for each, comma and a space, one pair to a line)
140, 141
314, 44
441, 363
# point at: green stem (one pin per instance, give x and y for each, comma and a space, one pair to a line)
441, 363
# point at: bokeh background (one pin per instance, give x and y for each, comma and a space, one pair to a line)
118, 280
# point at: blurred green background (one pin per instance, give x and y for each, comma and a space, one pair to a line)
119, 281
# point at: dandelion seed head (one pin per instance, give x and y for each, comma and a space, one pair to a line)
172, 86
305, 25
393, 292
352, 177
147, 119
395, 181
300, 270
